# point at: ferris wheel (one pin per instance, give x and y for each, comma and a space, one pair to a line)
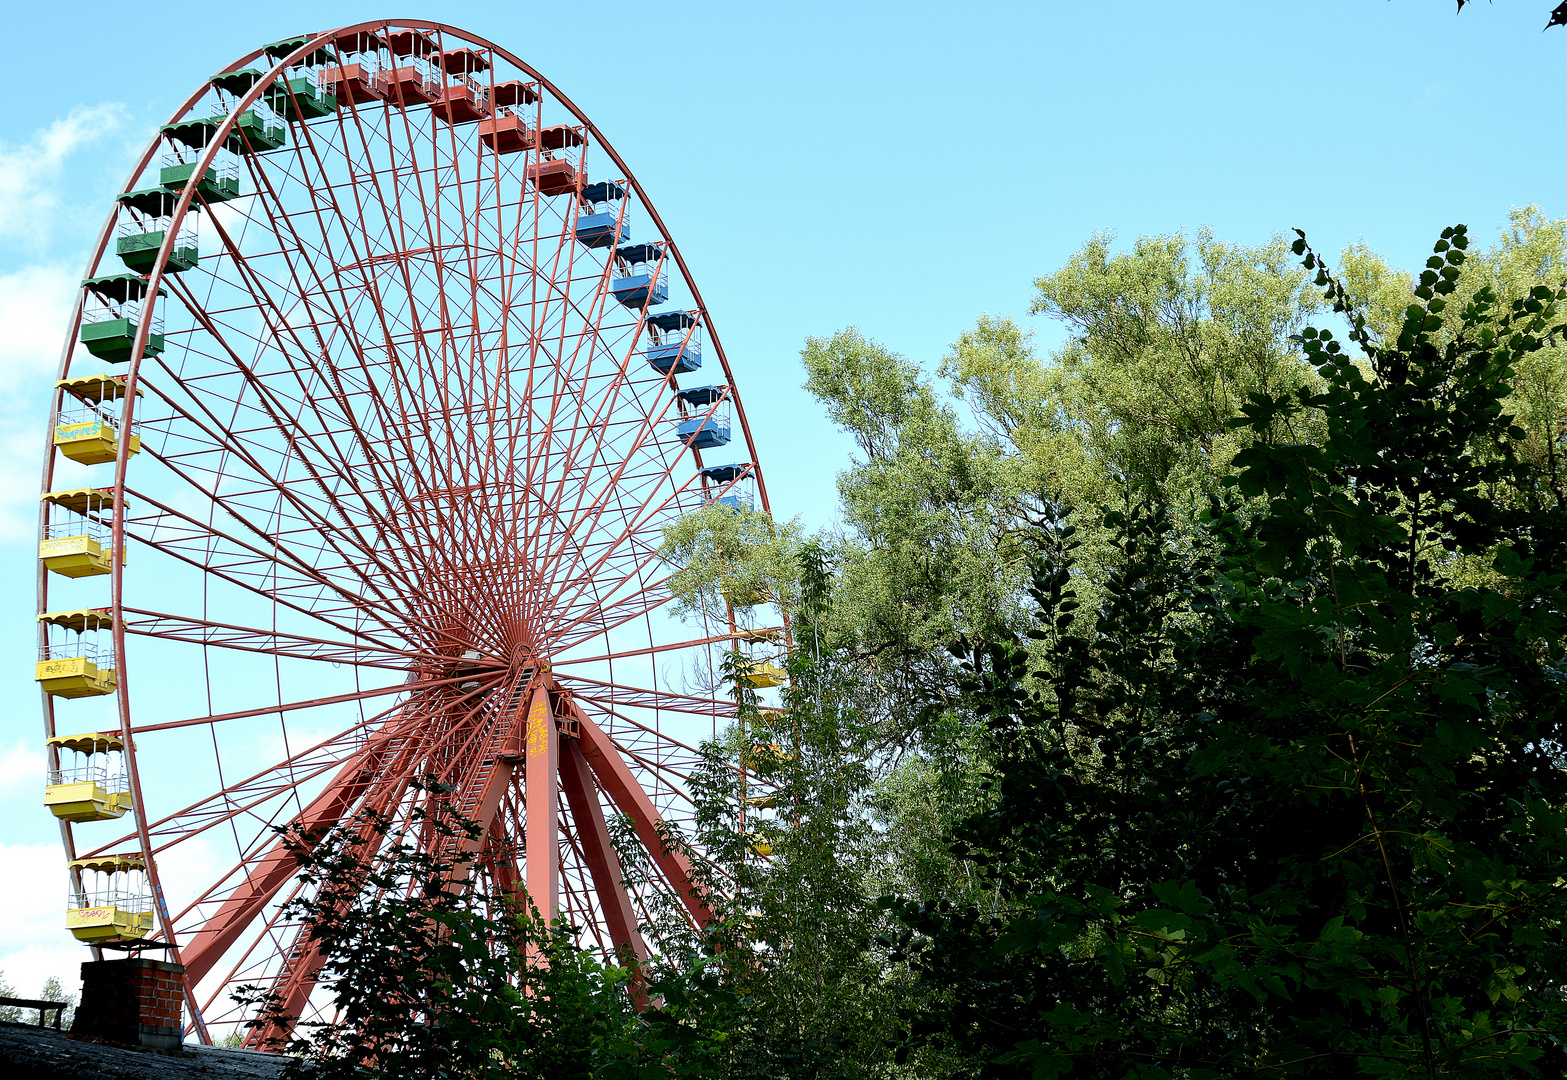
386, 379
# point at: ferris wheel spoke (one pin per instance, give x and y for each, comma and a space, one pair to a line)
577, 907
276, 925
572, 561
364, 653
364, 439
195, 559
383, 792
638, 739
375, 778
650, 755
307, 703
278, 865
310, 582
589, 618
272, 785
622, 695
713, 639
317, 525
321, 524
593, 504
621, 480
274, 409
629, 545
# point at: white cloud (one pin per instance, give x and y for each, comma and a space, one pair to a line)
35, 303
36, 944
21, 448
41, 217
30, 204
22, 770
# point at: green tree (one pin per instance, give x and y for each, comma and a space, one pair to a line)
788, 853
10, 1014
54, 990
727, 556
1166, 341
1531, 250
430, 977
1292, 803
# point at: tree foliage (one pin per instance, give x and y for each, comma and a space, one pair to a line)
1292, 807
1558, 15
731, 555
1165, 341
429, 977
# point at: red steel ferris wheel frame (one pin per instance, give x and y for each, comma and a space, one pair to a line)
576, 766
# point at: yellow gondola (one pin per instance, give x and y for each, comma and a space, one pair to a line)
86, 434
78, 546
117, 909
80, 668
91, 791
762, 673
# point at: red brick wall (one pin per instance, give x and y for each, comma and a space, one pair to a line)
133, 1001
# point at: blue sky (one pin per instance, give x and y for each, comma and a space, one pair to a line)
903, 168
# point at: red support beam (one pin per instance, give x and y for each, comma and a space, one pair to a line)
301, 965
598, 852
542, 823
614, 776
275, 868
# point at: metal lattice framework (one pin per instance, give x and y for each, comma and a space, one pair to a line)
402, 473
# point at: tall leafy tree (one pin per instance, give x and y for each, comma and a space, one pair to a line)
1165, 342
1531, 250
1292, 803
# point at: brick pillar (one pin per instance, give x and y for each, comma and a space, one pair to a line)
136, 1002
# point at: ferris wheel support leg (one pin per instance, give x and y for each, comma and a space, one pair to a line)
275, 869
302, 964
499, 857
599, 852
614, 776
542, 812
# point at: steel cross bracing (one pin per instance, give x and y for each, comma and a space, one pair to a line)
402, 482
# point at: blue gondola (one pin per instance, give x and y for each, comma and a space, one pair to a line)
600, 230
726, 474
708, 430
679, 356
703, 432
597, 228
641, 289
